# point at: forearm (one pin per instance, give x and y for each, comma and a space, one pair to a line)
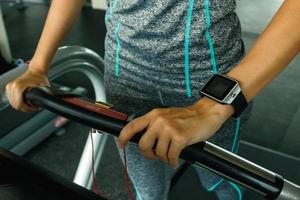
271, 53
61, 16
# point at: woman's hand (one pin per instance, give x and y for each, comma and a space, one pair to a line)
16, 88
172, 129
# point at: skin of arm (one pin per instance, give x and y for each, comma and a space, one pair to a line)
61, 16
175, 128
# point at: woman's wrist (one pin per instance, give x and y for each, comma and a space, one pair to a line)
38, 66
215, 108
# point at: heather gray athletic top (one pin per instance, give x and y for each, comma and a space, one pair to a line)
160, 52
172, 44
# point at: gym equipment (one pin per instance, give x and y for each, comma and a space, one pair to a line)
21, 180
204, 154
83, 61
20, 132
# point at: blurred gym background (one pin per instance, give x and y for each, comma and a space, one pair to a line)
270, 138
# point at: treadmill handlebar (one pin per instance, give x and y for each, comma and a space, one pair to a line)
203, 154
290, 191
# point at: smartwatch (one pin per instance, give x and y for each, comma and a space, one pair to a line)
225, 90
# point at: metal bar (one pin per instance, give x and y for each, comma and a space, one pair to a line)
83, 175
204, 154
4, 47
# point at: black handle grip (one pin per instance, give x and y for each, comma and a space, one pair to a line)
204, 154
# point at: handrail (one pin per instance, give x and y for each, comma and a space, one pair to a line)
69, 59
204, 154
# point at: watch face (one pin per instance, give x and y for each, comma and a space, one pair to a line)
218, 87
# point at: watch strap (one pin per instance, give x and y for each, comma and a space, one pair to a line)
239, 104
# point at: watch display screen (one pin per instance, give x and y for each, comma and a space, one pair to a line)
218, 87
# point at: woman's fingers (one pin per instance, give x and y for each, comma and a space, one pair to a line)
163, 134
176, 146
147, 143
161, 149
169, 131
16, 96
131, 129
16, 88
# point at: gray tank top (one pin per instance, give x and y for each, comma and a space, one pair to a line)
172, 44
